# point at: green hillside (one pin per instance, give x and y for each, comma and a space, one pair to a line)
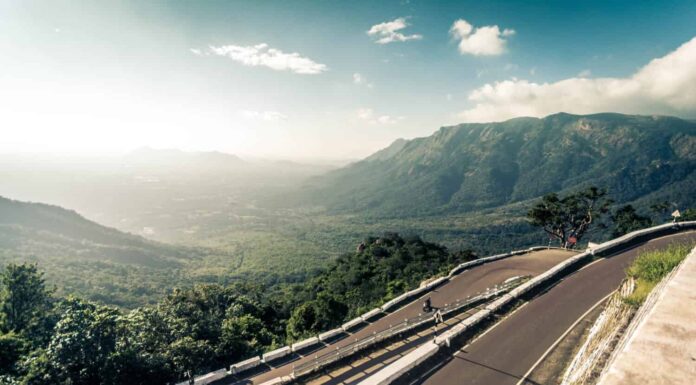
103, 264
471, 167
85, 258
466, 187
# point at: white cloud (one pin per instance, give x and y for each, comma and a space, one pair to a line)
361, 80
666, 85
487, 40
266, 116
263, 55
368, 115
387, 32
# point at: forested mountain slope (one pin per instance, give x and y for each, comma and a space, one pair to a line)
484, 165
84, 257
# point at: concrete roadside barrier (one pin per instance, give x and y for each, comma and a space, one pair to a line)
351, 324
208, 377
304, 344
275, 354
463, 266
500, 302
245, 365
402, 365
417, 291
492, 258
436, 282
253, 362
392, 303
330, 334
371, 314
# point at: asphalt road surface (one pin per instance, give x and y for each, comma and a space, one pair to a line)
467, 283
361, 366
507, 351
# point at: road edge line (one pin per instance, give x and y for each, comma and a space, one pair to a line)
553, 346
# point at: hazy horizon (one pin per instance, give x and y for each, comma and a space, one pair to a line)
324, 81
217, 192
119, 155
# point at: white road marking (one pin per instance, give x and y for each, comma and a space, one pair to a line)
437, 367
546, 353
491, 328
592, 263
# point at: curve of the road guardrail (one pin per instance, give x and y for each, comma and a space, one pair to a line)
406, 326
426, 286
412, 360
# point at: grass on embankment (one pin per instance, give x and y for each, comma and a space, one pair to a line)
650, 267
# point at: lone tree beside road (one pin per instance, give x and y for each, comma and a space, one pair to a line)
626, 219
567, 219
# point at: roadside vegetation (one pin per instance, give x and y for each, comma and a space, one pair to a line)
650, 267
50, 339
567, 219
58, 336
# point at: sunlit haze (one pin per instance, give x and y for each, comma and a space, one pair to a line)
329, 80
334, 192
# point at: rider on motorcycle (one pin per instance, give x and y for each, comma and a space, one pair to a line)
427, 307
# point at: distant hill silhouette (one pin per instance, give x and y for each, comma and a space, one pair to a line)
89, 259
486, 165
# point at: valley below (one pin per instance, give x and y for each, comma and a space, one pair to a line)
227, 220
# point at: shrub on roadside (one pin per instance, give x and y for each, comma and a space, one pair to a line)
650, 267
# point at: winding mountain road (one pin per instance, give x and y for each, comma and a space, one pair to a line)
469, 282
506, 353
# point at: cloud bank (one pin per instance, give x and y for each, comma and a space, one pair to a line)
265, 56
666, 85
387, 32
482, 41
368, 115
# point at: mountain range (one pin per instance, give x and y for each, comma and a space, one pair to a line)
466, 186
478, 166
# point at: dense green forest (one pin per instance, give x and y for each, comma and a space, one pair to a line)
477, 166
49, 339
103, 264
46, 338
222, 220
84, 258
56, 337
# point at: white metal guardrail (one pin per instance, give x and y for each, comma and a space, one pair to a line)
254, 362
410, 361
321, 361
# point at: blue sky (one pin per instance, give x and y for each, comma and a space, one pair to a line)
305, 79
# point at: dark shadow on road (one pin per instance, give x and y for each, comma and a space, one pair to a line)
497, 370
